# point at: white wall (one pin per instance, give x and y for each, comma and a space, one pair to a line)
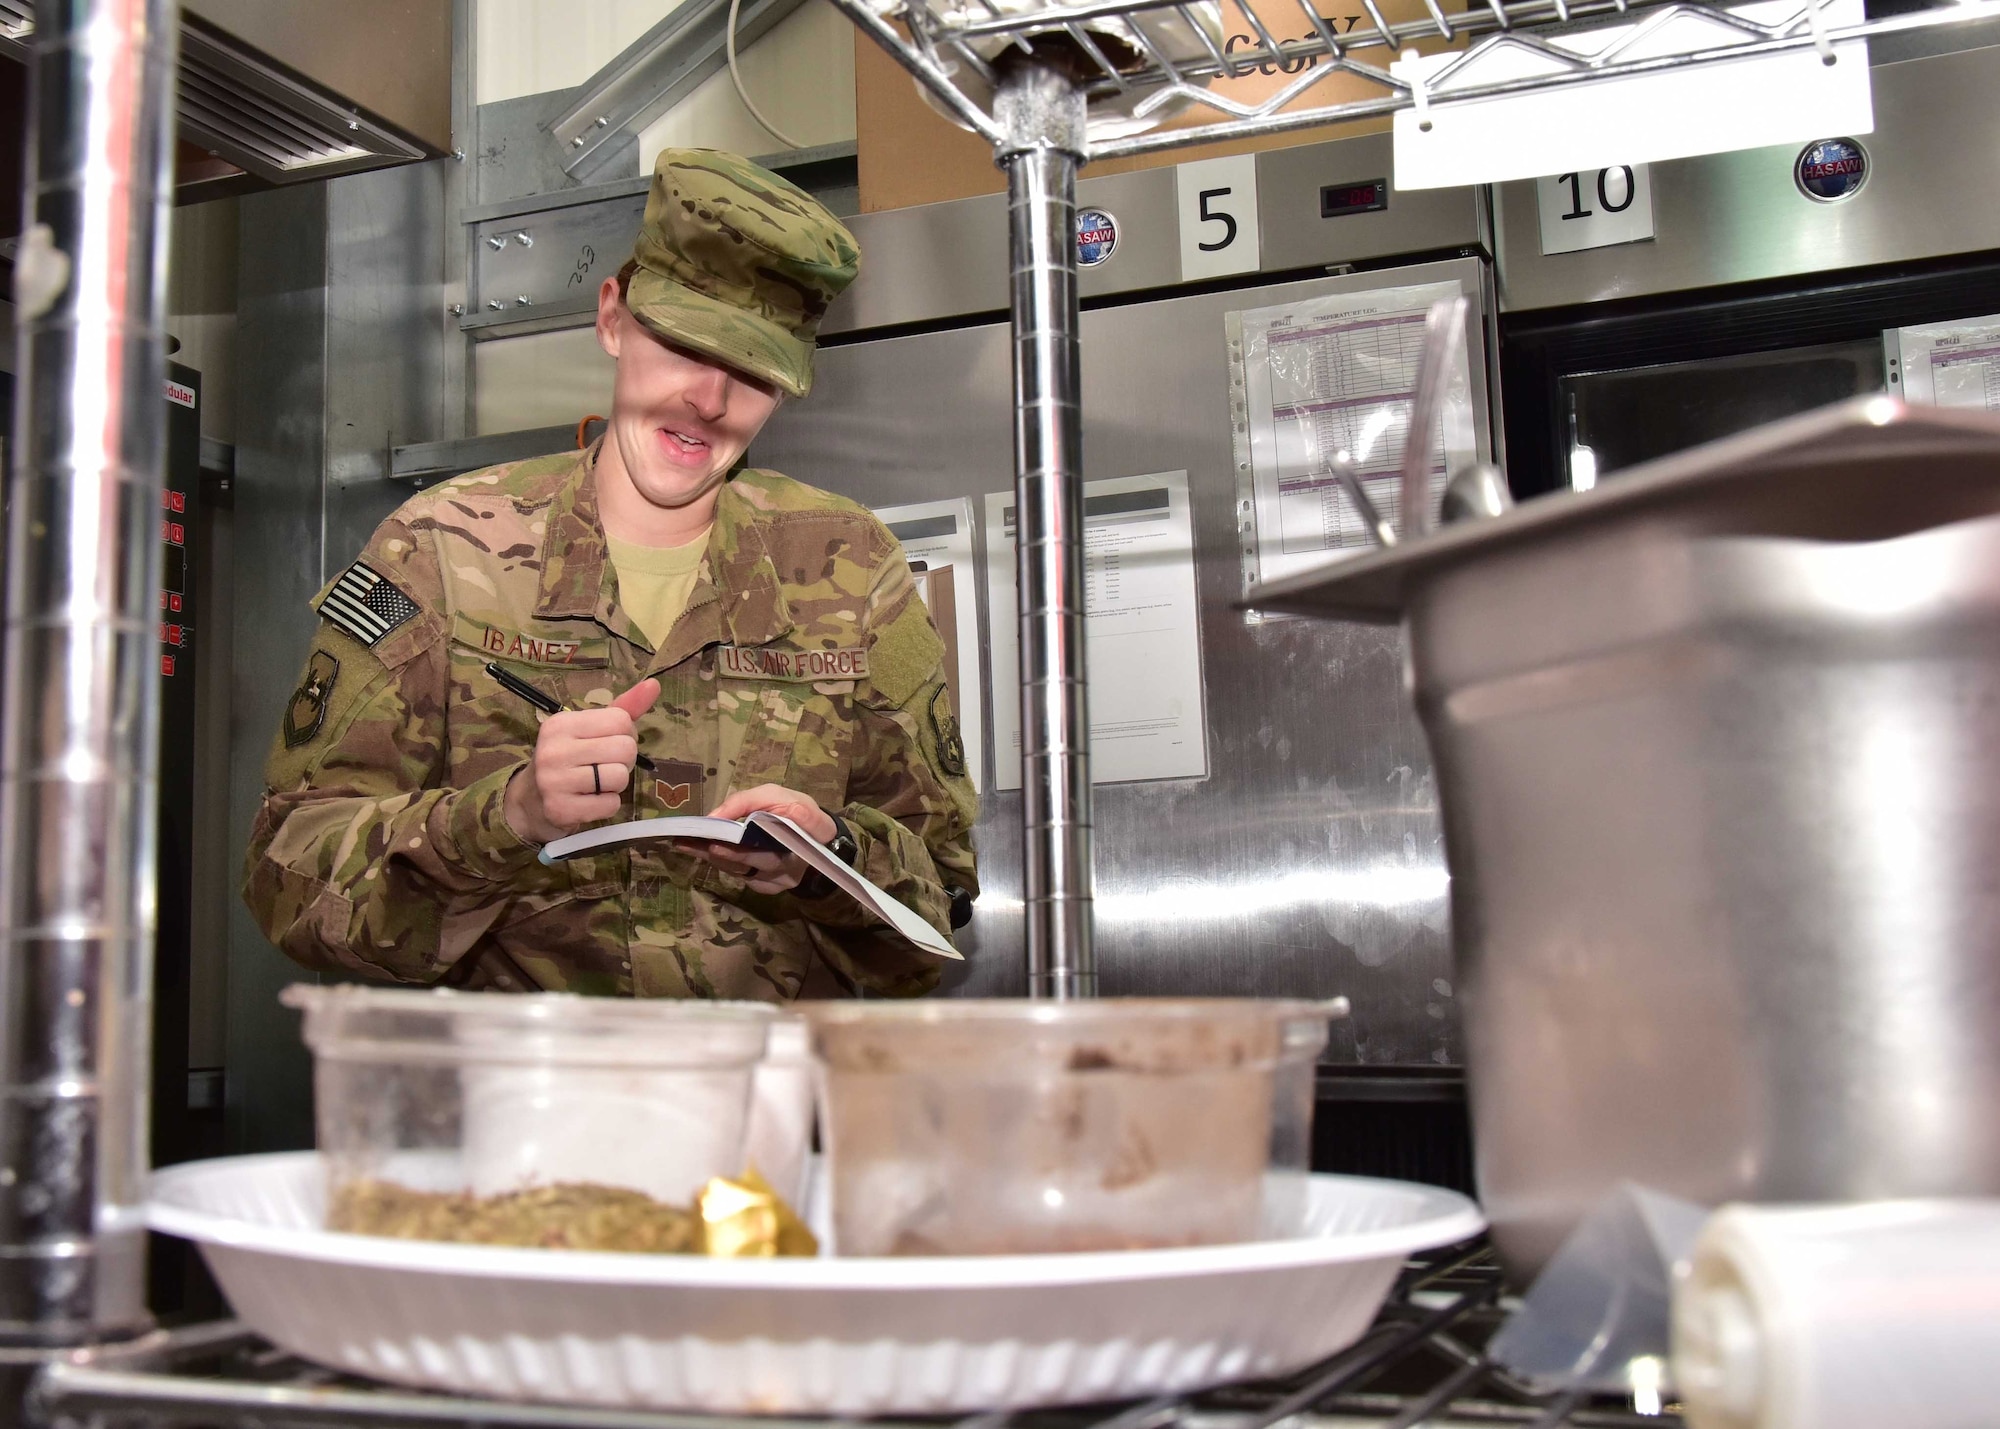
527, 46
545, 380
801, 74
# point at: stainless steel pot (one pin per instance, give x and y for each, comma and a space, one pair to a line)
1718, 748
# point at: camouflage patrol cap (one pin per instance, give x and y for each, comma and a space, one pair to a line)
736, 263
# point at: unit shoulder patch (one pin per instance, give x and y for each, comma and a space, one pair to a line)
944, 729
366, 604
307, 710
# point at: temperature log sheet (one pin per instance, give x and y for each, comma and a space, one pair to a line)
1327, 376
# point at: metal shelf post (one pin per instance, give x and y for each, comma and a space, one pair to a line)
1042, 109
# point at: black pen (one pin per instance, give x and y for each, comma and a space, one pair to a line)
547, 704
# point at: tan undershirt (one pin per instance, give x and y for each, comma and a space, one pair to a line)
654, 582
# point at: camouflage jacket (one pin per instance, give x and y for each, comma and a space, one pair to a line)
804, 658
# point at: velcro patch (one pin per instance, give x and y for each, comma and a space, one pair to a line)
366, 604
678, 782
307, 710
531, 647
769, 663
944, 729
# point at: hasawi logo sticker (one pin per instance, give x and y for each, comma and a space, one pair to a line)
1831, 169
1096, 236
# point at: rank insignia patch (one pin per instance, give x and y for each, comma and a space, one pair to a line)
678, 782
307, 710
950, 744
366, 604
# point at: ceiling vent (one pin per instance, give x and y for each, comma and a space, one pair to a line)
253, 113
289, 90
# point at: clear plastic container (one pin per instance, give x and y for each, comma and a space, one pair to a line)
966, 1127
782, 1108
491, 1094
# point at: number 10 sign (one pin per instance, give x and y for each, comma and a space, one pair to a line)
1594, 208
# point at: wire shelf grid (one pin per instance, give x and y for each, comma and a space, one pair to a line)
1155, 58
1422, 1363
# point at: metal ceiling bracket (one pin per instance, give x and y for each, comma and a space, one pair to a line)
1041, 112
422, 463
653, 74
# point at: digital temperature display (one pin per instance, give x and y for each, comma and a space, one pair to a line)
1339, 200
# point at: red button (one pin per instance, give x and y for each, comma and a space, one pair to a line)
166, 664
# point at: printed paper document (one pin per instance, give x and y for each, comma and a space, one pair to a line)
1142, 632
1331, 376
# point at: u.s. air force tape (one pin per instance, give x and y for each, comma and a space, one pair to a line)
366, 604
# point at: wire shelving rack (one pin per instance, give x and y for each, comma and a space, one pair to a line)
1159, 56
1422, 1363
1025, 78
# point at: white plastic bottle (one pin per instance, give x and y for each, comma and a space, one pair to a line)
1842, 1317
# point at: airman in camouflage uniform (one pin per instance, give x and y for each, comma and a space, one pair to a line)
389, 843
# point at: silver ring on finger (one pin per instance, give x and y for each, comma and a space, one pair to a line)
596, 783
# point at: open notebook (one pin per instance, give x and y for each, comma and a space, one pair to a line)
763, 831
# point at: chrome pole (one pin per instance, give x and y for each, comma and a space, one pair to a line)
79, 675
1042, 112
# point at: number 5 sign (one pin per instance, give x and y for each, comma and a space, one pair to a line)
1594, 208
1217, 200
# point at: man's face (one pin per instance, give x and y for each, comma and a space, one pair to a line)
680, 418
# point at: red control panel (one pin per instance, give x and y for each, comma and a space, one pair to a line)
174, 595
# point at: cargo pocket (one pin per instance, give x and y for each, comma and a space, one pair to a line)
823, 743
795, 734
764, 718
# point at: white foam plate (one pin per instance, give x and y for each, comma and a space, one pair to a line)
826, 1336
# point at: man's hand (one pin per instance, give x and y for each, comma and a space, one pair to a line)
768, 872
582, 762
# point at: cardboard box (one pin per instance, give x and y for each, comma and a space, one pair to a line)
908, 154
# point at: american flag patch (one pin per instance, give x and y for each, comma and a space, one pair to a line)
366, 605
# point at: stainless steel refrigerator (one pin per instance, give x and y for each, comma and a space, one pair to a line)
1307, 860
1771, 281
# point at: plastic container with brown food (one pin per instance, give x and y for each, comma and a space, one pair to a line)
546, 1119
966, 1127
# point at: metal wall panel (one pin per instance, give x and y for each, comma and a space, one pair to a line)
1735, 218
386, 341
550, 261
949, 260
280, 460
1295, 234
1309, 862
342, 355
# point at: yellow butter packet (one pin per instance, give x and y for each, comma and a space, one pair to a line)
746, 1219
